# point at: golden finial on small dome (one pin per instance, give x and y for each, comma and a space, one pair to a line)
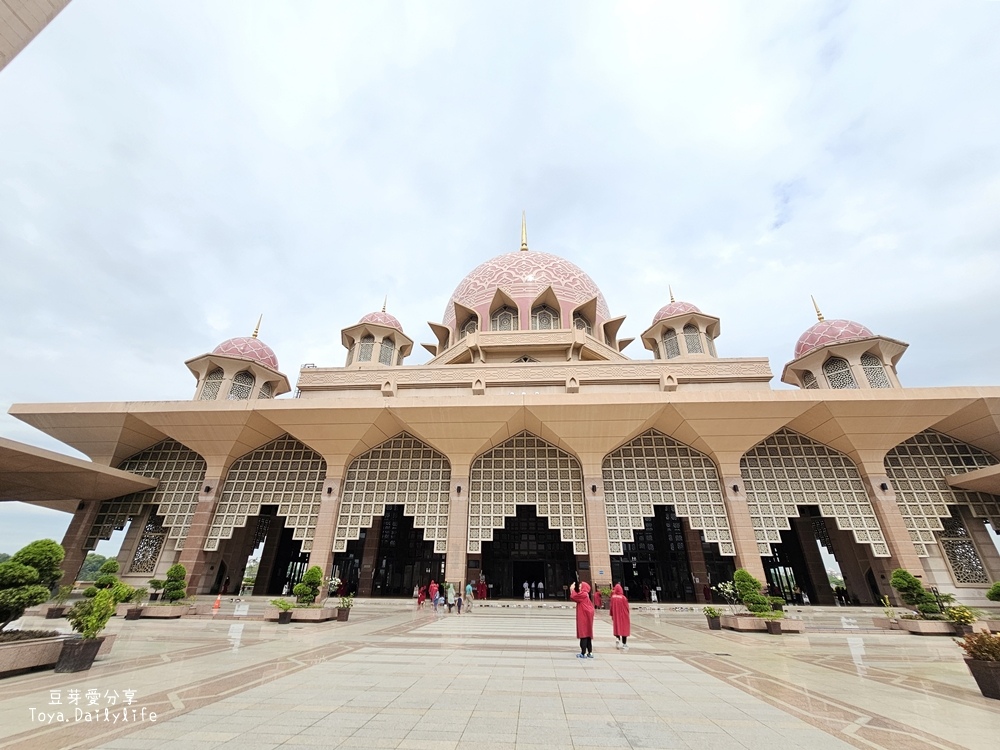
669, 289
818, 313
524, 232
256, 330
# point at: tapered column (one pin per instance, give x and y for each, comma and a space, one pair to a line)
597, 527
696, 560
458, 532
734, 496
75, 539
368, 557
321, 553
897, 536
194, 557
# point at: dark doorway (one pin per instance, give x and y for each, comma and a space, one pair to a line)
656, 562
289, 564
526, 549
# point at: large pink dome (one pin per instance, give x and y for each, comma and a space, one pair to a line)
674, 308
383, 319
247, 347
830, 332
523, 276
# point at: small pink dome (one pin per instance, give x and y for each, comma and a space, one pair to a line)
382, 319
247, 347
830, 332
674, 308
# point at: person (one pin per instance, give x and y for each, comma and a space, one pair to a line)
706, 591
534, 590
469, 596
481, 593
458, 600
797, 593
432, 590
527, 591
450, 593
580, 593
421, 597
541, 589
621, 618
597, 597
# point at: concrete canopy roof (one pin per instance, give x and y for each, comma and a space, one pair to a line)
52, 480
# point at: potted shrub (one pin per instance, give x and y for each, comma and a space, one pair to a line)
156, 586
26, 579
961, 618
135, 598
772, 621
993, 594
344, 610
927, 619
88, 618
59, 609
714, 617
983, 659
174, 590
284, 610
307, 590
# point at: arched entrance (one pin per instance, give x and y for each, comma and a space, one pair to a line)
526, 549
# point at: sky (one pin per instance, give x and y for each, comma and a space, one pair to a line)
169, 171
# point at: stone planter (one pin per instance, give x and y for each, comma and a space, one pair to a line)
22, 656
714, 623
928, 627
793, 626
122, 609
987, 676
743, 623
773, 626
885, 623
992, 625
166, 611
55, 612
312, 614
343, 613
133, 613
284, 616
961, 629
109, 641
78, 654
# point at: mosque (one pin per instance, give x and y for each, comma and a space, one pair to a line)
530, 447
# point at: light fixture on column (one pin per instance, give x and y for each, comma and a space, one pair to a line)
593, 488
883, 487
458, 489
207, 488
329, 490
736, 488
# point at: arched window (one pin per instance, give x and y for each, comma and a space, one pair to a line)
582, 324
266, 391
809, 380
504, 319
544, 318
671, 347
387, 350
711, 345
692, 339
365, 347
471, 326
875, 371
242, 386
838, 373
213, 381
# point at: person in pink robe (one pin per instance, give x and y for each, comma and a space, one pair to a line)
621, 618
580, 593
597, 598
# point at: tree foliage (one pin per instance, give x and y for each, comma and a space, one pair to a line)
308, 589
45, 556
994, 593
27, 577
91, 565
749, 589
913, 593
175, 588
90, 616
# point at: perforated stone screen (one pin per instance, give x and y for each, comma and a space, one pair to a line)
919, 468
787, 470
147, 551
961, 553
180, 471
285, 473
875, 371
401, 471
526, 470
653, 469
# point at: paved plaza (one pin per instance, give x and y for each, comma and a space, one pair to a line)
503, 677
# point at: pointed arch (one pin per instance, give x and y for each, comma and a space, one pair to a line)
213, 382
787, 470
526, 470
284, 472
653, 469
242, 386
401, 471
919, 468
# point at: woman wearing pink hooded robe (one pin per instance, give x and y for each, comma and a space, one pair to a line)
580, 593
597, 598
621, 619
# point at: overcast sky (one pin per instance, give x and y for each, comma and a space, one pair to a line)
170, 170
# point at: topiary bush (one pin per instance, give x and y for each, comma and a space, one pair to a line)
175, 588
913, 593
90, 616
749, 590
307, 590
994, 593
26, 578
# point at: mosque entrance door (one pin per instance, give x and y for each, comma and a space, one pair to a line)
656, 562
526, 549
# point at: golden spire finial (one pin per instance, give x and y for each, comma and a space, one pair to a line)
669, 289
818, 313
256, 330
524, 232
384, 301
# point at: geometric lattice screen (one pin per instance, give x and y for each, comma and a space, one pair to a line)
653, 469
286, 473
919, 468
401, 471
788, 470
147, 551
526, 470
960, 551
180, 471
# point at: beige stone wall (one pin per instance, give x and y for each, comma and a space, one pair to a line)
20, 22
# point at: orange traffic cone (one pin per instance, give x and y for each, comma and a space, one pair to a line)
218, 602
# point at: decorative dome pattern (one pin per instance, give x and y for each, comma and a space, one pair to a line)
247, 347
524, 276
830, 332
382, 319
674, 308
